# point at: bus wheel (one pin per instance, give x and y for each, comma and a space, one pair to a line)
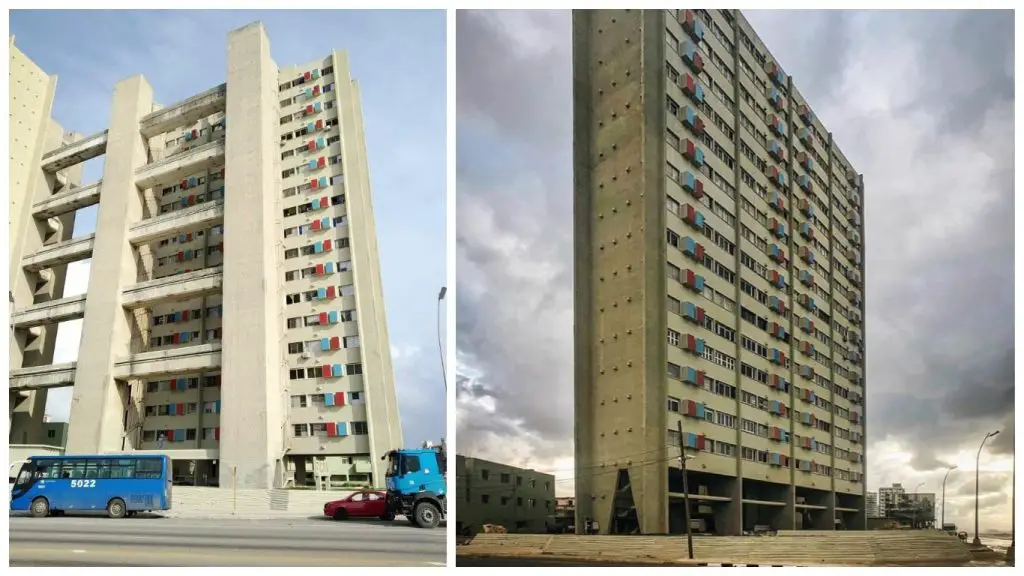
40, 508
116, 508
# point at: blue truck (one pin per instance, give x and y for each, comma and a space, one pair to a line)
417, 484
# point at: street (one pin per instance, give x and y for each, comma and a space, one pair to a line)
155, 541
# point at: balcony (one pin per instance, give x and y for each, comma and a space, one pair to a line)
69, 201
167, 362
75, 153
60, 253
43, 377
171, 288
185, 113
52, 312
201, 216
180, 165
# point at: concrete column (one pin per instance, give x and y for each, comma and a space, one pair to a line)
825, 519
252, 394
785, 519
97, 407
378, 374
729, 520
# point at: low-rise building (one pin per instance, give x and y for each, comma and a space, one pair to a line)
488, 492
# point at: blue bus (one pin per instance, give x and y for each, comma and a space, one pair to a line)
121, 485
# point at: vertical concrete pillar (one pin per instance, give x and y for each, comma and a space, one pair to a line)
785, 519
33, 134
97, 406
252, 423
729, 515
620, 351
825, 519
378, 374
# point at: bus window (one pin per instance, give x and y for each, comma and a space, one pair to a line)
92, 468
73, 469
122, 468
149, 468
47, 469
104, 469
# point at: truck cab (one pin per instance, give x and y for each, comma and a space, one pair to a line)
416, 484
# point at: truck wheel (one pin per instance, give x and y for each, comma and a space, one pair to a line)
387, 516
116, 508
427, 515
40, 508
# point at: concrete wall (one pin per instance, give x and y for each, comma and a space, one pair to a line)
218, 502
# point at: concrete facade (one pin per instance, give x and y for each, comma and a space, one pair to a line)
234, 317
519, 499
719, 284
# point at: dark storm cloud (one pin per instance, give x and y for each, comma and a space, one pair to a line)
514, 300
920, 102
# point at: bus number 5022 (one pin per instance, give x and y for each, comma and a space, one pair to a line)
83, 483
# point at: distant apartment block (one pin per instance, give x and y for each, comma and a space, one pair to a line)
719, 284
519, 499
891, 498
234, 317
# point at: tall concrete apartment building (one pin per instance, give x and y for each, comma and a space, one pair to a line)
718, 285
234, 317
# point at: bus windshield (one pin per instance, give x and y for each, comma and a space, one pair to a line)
24, 475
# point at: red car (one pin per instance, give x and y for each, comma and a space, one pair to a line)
363, 504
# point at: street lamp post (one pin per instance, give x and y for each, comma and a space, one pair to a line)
440, 349
951, 468
977, 475
1013, 512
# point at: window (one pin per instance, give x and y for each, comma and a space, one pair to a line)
351, 341
410, 464
360, 429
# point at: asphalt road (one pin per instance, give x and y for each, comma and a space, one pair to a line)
100, 541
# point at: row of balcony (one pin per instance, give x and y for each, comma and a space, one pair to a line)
140, 295
201, 357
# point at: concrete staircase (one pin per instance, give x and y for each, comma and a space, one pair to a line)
790, 548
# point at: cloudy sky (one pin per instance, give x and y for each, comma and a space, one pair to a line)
920, 102
399, 60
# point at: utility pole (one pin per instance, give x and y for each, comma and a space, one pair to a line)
686, 489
